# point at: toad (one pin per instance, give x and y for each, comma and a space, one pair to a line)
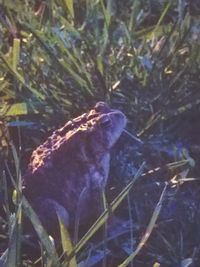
67, 173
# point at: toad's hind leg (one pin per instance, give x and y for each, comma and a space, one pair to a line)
48, 211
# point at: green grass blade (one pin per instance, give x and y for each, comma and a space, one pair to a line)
106, 13
16, 53
70, 7
15, 109
67, 245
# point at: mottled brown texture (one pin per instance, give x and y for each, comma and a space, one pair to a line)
68, 172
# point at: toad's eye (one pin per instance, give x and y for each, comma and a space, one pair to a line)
105, 121
101, 107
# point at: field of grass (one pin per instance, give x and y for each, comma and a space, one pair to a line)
57, 59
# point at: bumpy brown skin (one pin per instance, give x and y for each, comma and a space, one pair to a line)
67, 173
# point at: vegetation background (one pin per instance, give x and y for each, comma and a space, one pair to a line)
58, 58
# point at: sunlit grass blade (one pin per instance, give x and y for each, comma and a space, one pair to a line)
15, 109
70, 7
67, 245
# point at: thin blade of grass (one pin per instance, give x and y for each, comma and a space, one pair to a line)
41, 232
16, 53
154, 119
106, 12
99, 64
5, 196
14, 246
162, 17
149, 229
3, 258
